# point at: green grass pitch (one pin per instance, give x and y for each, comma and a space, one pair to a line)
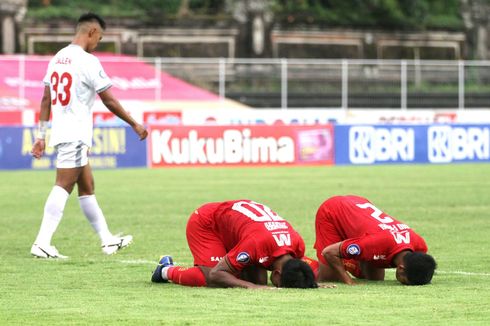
449, 205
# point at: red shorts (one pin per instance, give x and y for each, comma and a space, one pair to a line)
205, 245
325, 231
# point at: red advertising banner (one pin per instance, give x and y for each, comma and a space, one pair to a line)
240, 145
11, 118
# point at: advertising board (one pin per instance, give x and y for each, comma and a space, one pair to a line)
112, 147
240, 145
436, 143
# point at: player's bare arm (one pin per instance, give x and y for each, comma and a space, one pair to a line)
332, 255
254, 274
372, 273
221, 275
115, 107
40, 144
327, 274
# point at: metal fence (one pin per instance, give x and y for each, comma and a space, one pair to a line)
295, 83
284, 83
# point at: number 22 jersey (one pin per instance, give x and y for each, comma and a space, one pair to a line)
74, 76
366, 233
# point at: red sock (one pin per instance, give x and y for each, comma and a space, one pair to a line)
189, 276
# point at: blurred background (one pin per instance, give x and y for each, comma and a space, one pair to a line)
351, 29
202, 62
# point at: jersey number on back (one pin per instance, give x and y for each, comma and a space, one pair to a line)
61, 88
262, 213
376, 213
399, 236
256, 211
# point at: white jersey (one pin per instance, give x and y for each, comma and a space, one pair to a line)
74, 77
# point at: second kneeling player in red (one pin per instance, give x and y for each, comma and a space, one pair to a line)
354, 235
234, 243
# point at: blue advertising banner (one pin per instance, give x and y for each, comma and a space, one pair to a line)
437, 143
112, 147
354, 144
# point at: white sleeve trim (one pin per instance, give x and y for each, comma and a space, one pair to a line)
104, 88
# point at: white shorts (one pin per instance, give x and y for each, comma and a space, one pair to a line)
71, 155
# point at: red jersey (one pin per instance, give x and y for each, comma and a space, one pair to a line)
252, 233
367, 233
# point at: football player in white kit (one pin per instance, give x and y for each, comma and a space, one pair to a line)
73, 79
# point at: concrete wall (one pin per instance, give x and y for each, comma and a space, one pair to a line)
274, 43
11, 14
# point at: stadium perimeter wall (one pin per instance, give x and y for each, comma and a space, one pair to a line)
243, 145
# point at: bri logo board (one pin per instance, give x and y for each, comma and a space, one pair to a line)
436, 143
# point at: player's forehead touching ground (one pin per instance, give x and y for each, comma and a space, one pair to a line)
417, 269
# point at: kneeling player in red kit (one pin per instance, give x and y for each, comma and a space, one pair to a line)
234, 243
353, 235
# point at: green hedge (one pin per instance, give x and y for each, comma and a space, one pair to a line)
399, 14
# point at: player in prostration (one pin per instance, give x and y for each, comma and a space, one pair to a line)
234, 243
74, 77
354, 235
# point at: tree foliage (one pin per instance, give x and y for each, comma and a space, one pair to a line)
399, 14
149, 11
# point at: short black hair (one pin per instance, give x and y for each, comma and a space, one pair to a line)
296, 273
91, 17
419, 268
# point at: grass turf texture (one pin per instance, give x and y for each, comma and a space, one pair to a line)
447, 204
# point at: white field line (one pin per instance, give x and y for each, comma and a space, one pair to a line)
139, 262
462, 273
154, 262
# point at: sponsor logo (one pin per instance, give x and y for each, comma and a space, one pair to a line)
215, 258
16, 82
282, 239
263, 259
379, 257
401, 237
135, 83
13, 102
369, 144
447, 144
353, 250
243, 257
234, 146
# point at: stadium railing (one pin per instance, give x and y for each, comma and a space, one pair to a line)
295, 83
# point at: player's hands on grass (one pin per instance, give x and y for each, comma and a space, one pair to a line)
326, 286
262, 287
38, 148
351, 282
140, 130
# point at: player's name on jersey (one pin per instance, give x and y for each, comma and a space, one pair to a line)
393, 227
275, 225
